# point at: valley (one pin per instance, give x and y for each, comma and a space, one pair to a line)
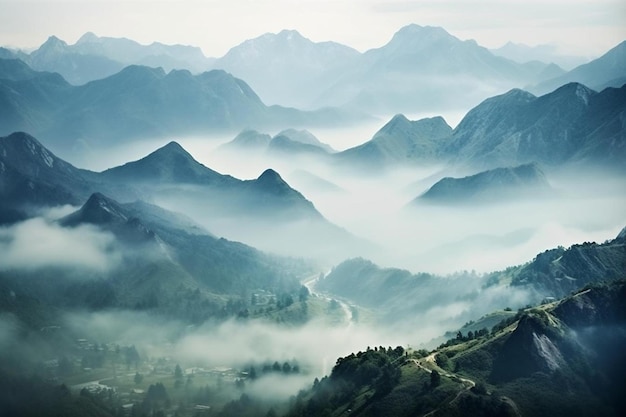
427, 227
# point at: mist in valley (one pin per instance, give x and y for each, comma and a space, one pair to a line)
377, 207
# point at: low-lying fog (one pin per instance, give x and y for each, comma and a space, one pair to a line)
583, 206
425, 238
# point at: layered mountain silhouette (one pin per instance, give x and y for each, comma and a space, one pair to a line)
419, 68
214, 264
138, 101
424, 68
32, 176
286, 68
609, 70
287, 142
551, 275
562, 357
493, 185
543, 53
399, 141
557, 272
93, 57
571, 125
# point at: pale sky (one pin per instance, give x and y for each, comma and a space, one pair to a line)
578, 27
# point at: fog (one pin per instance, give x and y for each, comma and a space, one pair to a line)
235, 344
378, 207
40, 243
583, 205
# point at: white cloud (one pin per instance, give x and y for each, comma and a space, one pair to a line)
37, 243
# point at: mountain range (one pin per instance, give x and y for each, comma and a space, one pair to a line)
559, 358
290, 142
551, 275
543, 53
31, 175
93, 57
571, 125
488, 186
609, 70
399, 141
288, 69
142, 102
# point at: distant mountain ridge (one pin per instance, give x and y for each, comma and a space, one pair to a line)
609, 70
143, 102
569, 126
545, 53
493, 185
31, 176
424, 68
287, 142
288, 69
92, 58
399, 141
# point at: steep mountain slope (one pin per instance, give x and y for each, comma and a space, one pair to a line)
609, 70
148, 101
30, 175
290, 142
400, 141
156, 54
216, 265
560, 359
397, 293
169, 164
571, 124
92, 58
170, 167
249, 211
306, 138
493, 185
29, 99
247, 141
559, 271
143, 102
287, 68
77, 68
424, 68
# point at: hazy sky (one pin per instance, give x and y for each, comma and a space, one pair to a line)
581, 27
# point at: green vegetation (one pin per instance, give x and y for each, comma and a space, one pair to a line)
559, 359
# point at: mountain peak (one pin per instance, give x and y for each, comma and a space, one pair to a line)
52, 45
579, 90
270, 176
398, 119
174, 148
168, 164
105, 212
414, 32
99, 209
88, 37
518, 94
54, 41
24, 145
290, 34
271, 181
